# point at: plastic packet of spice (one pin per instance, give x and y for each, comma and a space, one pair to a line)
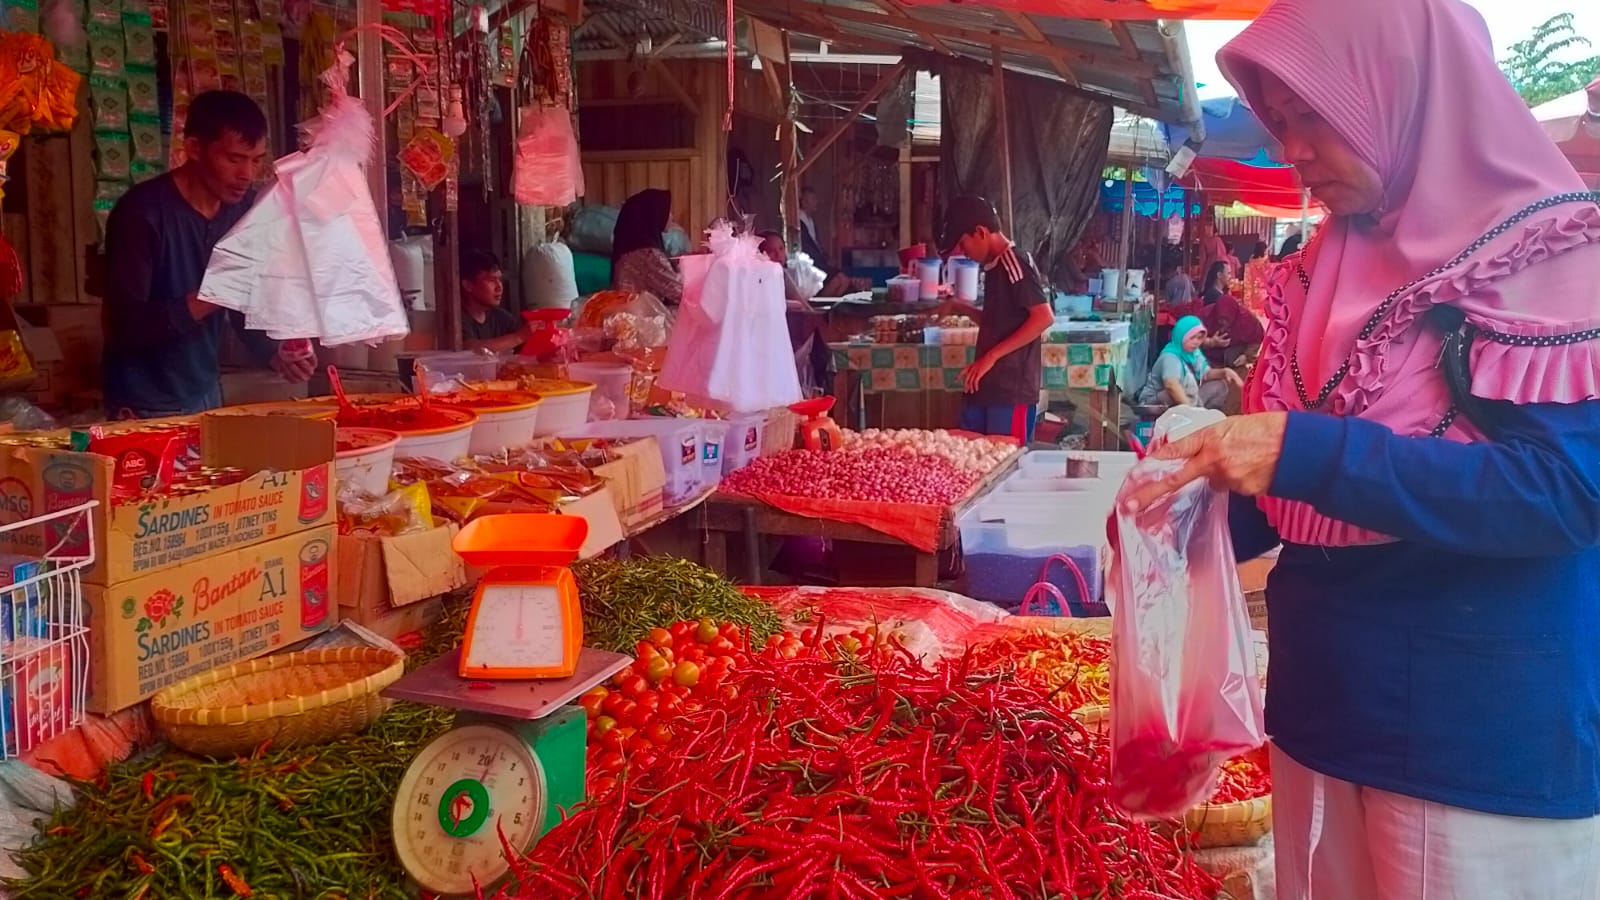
113, 153
104, 12
142, 462
139, 41
21, 16
144, 98
108, 98
106, 50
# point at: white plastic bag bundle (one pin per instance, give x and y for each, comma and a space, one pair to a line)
546, 170
730, 347
549, 280
807, 277
311, 259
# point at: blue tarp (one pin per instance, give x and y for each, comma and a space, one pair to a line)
1112, 192
1232, 132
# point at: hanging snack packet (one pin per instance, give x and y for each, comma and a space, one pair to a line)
144, 98
139, 41
109, 100
113, 154
107, 53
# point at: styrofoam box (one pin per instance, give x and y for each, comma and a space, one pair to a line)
680, 441
741, 441
1006, 538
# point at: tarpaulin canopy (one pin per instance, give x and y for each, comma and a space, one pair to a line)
1573, 122
1123, 10
1273, 190
1114, 190
1232, 132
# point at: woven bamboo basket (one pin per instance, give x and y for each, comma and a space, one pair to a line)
1237, 824
291, 699
1097, 719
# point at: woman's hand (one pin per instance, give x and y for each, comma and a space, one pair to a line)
1233, 377
1238, 454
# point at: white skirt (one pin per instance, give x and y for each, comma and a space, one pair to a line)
1340, 841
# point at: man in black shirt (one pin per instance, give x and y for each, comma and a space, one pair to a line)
485, 323
161, 341
1004, 380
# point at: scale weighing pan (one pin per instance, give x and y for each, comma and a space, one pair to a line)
438, 684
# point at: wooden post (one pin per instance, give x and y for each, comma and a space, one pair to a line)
1005, 142
1127, 237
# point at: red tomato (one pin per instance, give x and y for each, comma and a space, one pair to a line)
639, 717
658, 670
719, 664
651, 701
637, 743
647, 759
591, 704
605, 784
661, 637
773, 642
789, 650
666, 653
609, 763
659, 734
624, 711
680, 630
671, 704
706, 631
710, 680
612, 703
643, 651
686, 674
693, 654
604, 724
633, 686
730, 692
850, 644
732, 632
720, 646
611, 741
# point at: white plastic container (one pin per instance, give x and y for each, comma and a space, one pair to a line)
680, 441
458, 366
563, 407
928, 271
741, 441
966, 278
611, 380
445, 444
502, 423
367, 466
712, 433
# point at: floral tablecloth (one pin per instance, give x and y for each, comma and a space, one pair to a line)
887, 368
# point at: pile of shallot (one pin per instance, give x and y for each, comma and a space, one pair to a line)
875, 474
977, 456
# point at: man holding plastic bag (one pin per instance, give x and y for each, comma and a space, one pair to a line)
163, 343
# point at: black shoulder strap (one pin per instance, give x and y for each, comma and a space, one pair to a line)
1455, 363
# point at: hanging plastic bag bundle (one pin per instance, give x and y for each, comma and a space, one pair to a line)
546, 170
311, 258
730, 347
1186, 696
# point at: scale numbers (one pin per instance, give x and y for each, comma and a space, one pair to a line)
464, 789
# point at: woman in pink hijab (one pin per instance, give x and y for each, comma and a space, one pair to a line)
1434, 691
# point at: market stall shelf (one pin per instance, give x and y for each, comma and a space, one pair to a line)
725, 517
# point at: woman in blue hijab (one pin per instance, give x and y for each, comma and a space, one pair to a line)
1182, 377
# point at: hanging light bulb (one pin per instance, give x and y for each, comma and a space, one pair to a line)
455, 117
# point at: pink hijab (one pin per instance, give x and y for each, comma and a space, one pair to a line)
1413, 87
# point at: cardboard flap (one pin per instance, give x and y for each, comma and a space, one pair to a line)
421, 566
260, 443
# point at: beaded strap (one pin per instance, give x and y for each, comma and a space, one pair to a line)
1388, 303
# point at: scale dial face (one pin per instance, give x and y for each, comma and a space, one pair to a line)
517, 626
462, 785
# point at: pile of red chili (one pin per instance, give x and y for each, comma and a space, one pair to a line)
1244, 777
831, 773
1074, 670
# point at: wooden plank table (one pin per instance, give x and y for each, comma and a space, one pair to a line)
726, 517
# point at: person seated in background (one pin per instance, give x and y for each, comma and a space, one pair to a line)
813, 359
1253, 285
1004, 381
639, 250
1177, 288
485, 322
1181, 376
1235, 332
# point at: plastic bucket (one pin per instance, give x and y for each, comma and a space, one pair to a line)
446, 443
505, 419
611, 381
365, 458
317, 410
442, 365
563, 407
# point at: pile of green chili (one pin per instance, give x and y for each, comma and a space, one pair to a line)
296, 824
624, 599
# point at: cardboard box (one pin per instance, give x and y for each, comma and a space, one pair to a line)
291, 491
636, 479
378, 574
394, 623
154, 631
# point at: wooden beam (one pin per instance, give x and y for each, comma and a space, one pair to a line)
889, 77
1005, 139
1119, 30
1032, 33
651, 63
1068, 51
898, 12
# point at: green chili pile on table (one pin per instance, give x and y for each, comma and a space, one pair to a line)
293, 824
624, 599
